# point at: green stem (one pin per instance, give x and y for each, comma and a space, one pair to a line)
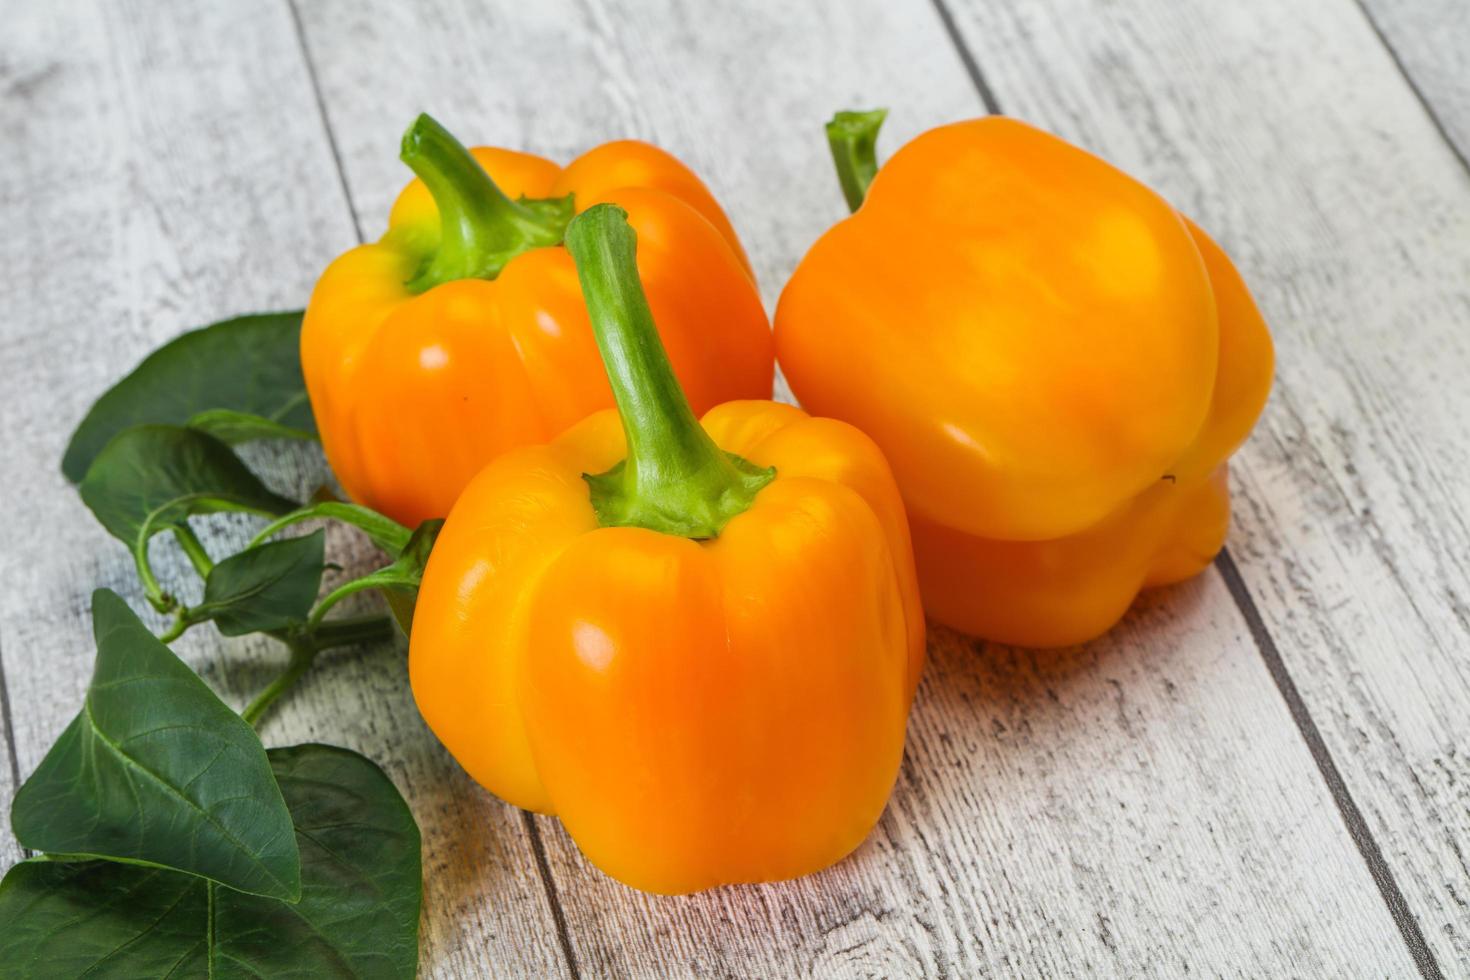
351, 630
675, 479
194, 548
302, 655
157, 598
383, 576
181, 622
305, 647
385, 532
853, 137
481, 228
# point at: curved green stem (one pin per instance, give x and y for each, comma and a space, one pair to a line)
382, 577
194, 548
675, 479
304, 648
385, 532
481, 228
302, 655
152, 591
181, 622
853, 137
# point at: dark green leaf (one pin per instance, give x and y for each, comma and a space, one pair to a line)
251, 365
67, 920
361, 880
415, 555
400, 580
156, 769
358, 915
152, 476
401, 605
268, 587
234, 427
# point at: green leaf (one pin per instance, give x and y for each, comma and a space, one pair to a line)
86, 919
360, 874
157, 770
249, 365
268, 587
415, 555
358, 915
401, 605
234, 427
153, 476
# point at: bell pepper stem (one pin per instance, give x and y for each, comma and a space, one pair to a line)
482, 229
853, 137
675, 479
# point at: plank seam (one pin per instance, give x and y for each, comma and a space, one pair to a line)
533, 833
1347, 808
543, 866
1408, 77
6, 719
9, 726
1352, 817
972, 67
321, 108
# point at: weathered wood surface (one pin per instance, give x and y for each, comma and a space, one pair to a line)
940, 891
164, 167
1430, 41
1145, 806
1350, 216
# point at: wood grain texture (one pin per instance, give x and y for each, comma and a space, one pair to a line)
1430, 39
1141, 807
1136, 808
164, 167
1350, 216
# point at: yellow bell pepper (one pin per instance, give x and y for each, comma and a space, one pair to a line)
702, 657
1055, 361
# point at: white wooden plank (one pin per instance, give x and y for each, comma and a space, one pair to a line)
1431, 41
1287, 131
1131, 809
1143, 806
163, 167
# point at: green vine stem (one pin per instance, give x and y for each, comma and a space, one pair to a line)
302, 656
318, 633
152, 591
350, 630
388, 577
304, 648
182, 621
385, 532
193, 548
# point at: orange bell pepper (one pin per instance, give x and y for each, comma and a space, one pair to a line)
701, 658
461, 333
1054, 360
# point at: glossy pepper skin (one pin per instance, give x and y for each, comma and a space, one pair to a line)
701, 662
461, 332
1056, 363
